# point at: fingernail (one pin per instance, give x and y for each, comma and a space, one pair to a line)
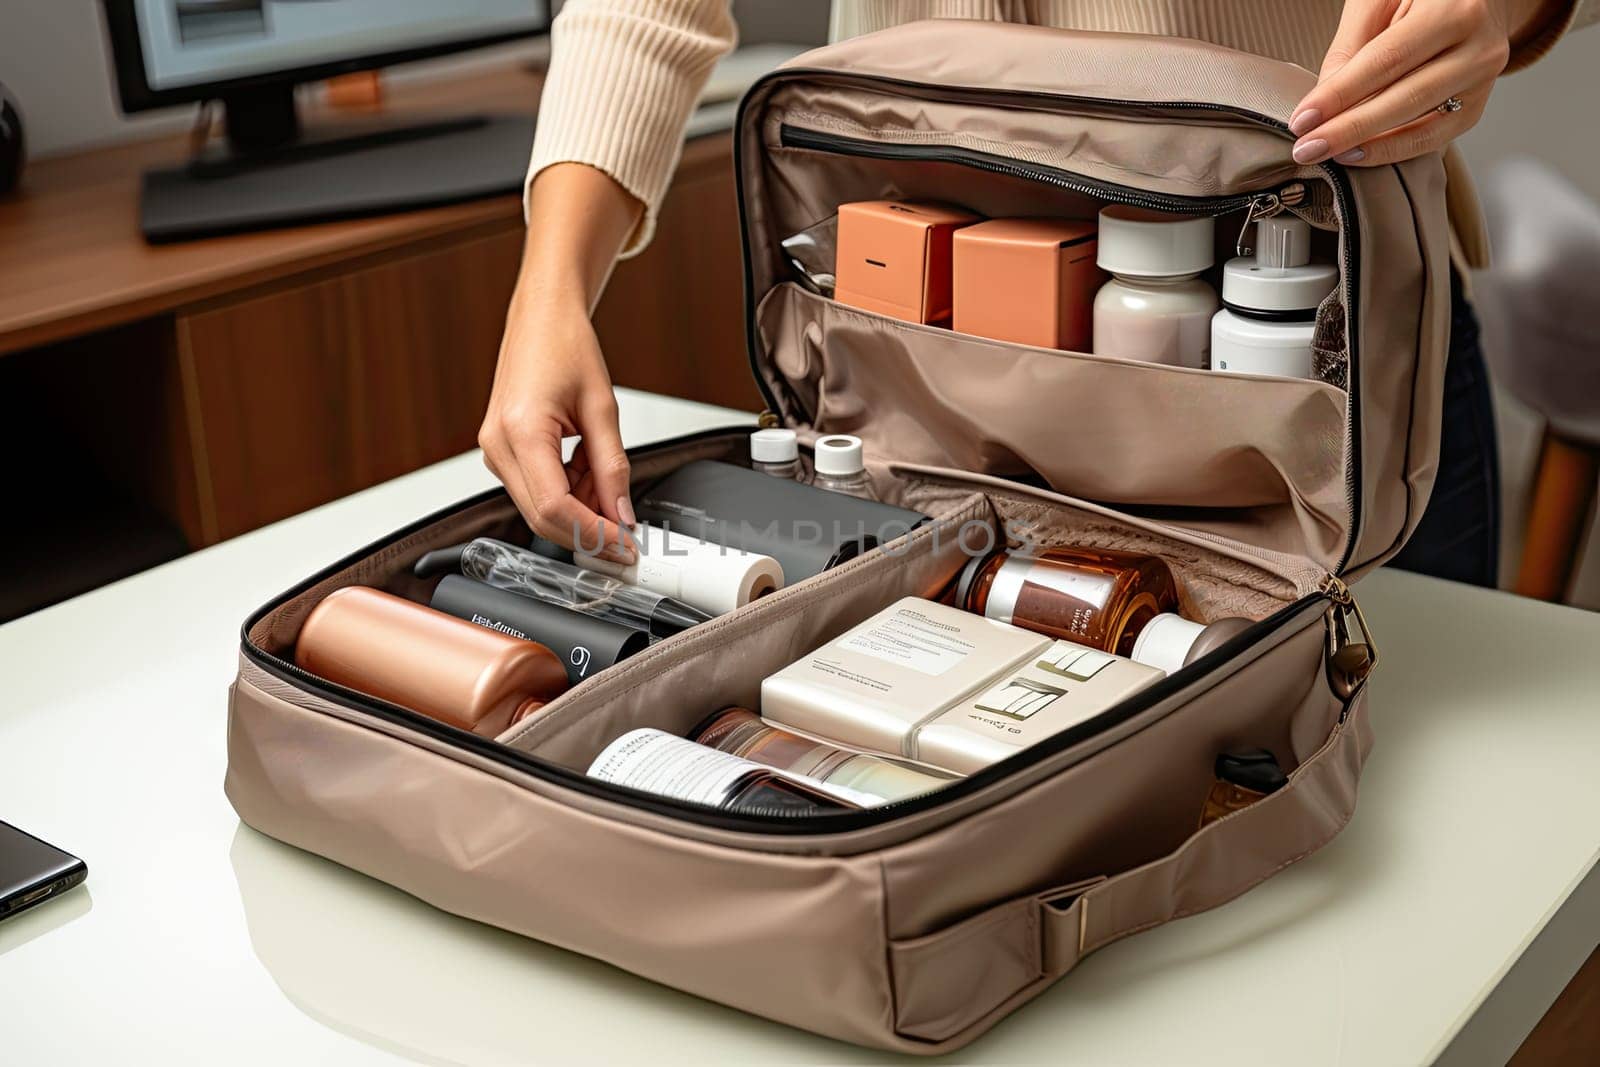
1305, 121
1355, 155
1310, 151
625, 511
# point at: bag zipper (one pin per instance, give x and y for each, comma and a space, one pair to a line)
1337, 180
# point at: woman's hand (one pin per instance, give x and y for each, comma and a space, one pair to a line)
1392, 64
551, 381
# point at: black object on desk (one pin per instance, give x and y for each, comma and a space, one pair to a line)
341, 178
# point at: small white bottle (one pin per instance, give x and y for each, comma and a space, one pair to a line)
841, 466
776, 453
1155, 308
1269, 303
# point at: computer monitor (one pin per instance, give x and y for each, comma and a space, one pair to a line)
250, 55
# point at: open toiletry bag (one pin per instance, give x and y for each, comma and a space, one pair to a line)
918, 925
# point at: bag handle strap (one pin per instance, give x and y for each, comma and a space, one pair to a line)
1216, 863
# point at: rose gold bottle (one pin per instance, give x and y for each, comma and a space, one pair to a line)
443, 667
1095, 597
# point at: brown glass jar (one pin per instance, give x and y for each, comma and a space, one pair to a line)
1092, 596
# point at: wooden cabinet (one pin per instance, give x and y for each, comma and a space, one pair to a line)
314, 391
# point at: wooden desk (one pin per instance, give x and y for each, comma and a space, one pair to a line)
219, 385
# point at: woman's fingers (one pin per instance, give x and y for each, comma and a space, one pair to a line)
1412, 97
560, 515
1391, 64
497, 456
607, 459
1377, 65
1429, 133
526, 457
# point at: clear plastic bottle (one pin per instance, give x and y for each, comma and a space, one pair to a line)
841, 466
776, 452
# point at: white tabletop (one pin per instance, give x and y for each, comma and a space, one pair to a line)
198, 939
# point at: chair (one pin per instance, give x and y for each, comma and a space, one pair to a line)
1539, 305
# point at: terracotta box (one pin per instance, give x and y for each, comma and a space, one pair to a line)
894, 257
1031, 281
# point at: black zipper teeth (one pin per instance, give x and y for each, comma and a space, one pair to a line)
1051, 175
816, 140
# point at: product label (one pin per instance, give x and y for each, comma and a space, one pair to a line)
496, 624
659, 762
1018, 698
909, 638
1074, 661
1087, 588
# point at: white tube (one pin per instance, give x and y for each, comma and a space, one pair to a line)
701, 573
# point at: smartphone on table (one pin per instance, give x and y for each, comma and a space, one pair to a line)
32, 872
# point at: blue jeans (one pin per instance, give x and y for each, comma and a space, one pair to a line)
1459, 536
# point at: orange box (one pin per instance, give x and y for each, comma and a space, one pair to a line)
1027, 280
894, 257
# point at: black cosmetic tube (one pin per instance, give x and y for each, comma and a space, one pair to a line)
585, 644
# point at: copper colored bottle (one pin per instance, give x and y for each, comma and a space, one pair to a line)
1095, 597
443, 667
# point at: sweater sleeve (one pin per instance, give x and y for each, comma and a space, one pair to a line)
624, 76
1555, 18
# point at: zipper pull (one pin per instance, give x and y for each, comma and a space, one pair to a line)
1348, 662
1264, 206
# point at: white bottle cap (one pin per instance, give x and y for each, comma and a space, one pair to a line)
1165, 642
839, 454
1280, 276
1153, 244
774, 446
1244, 345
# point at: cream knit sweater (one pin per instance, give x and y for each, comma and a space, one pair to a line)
625, 74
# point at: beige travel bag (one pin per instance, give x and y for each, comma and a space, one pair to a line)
918, 925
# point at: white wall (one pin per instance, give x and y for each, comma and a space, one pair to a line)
53, 58
1549, 111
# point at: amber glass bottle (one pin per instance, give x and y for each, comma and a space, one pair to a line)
1095, 597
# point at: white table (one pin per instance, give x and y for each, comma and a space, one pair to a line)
197, 939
